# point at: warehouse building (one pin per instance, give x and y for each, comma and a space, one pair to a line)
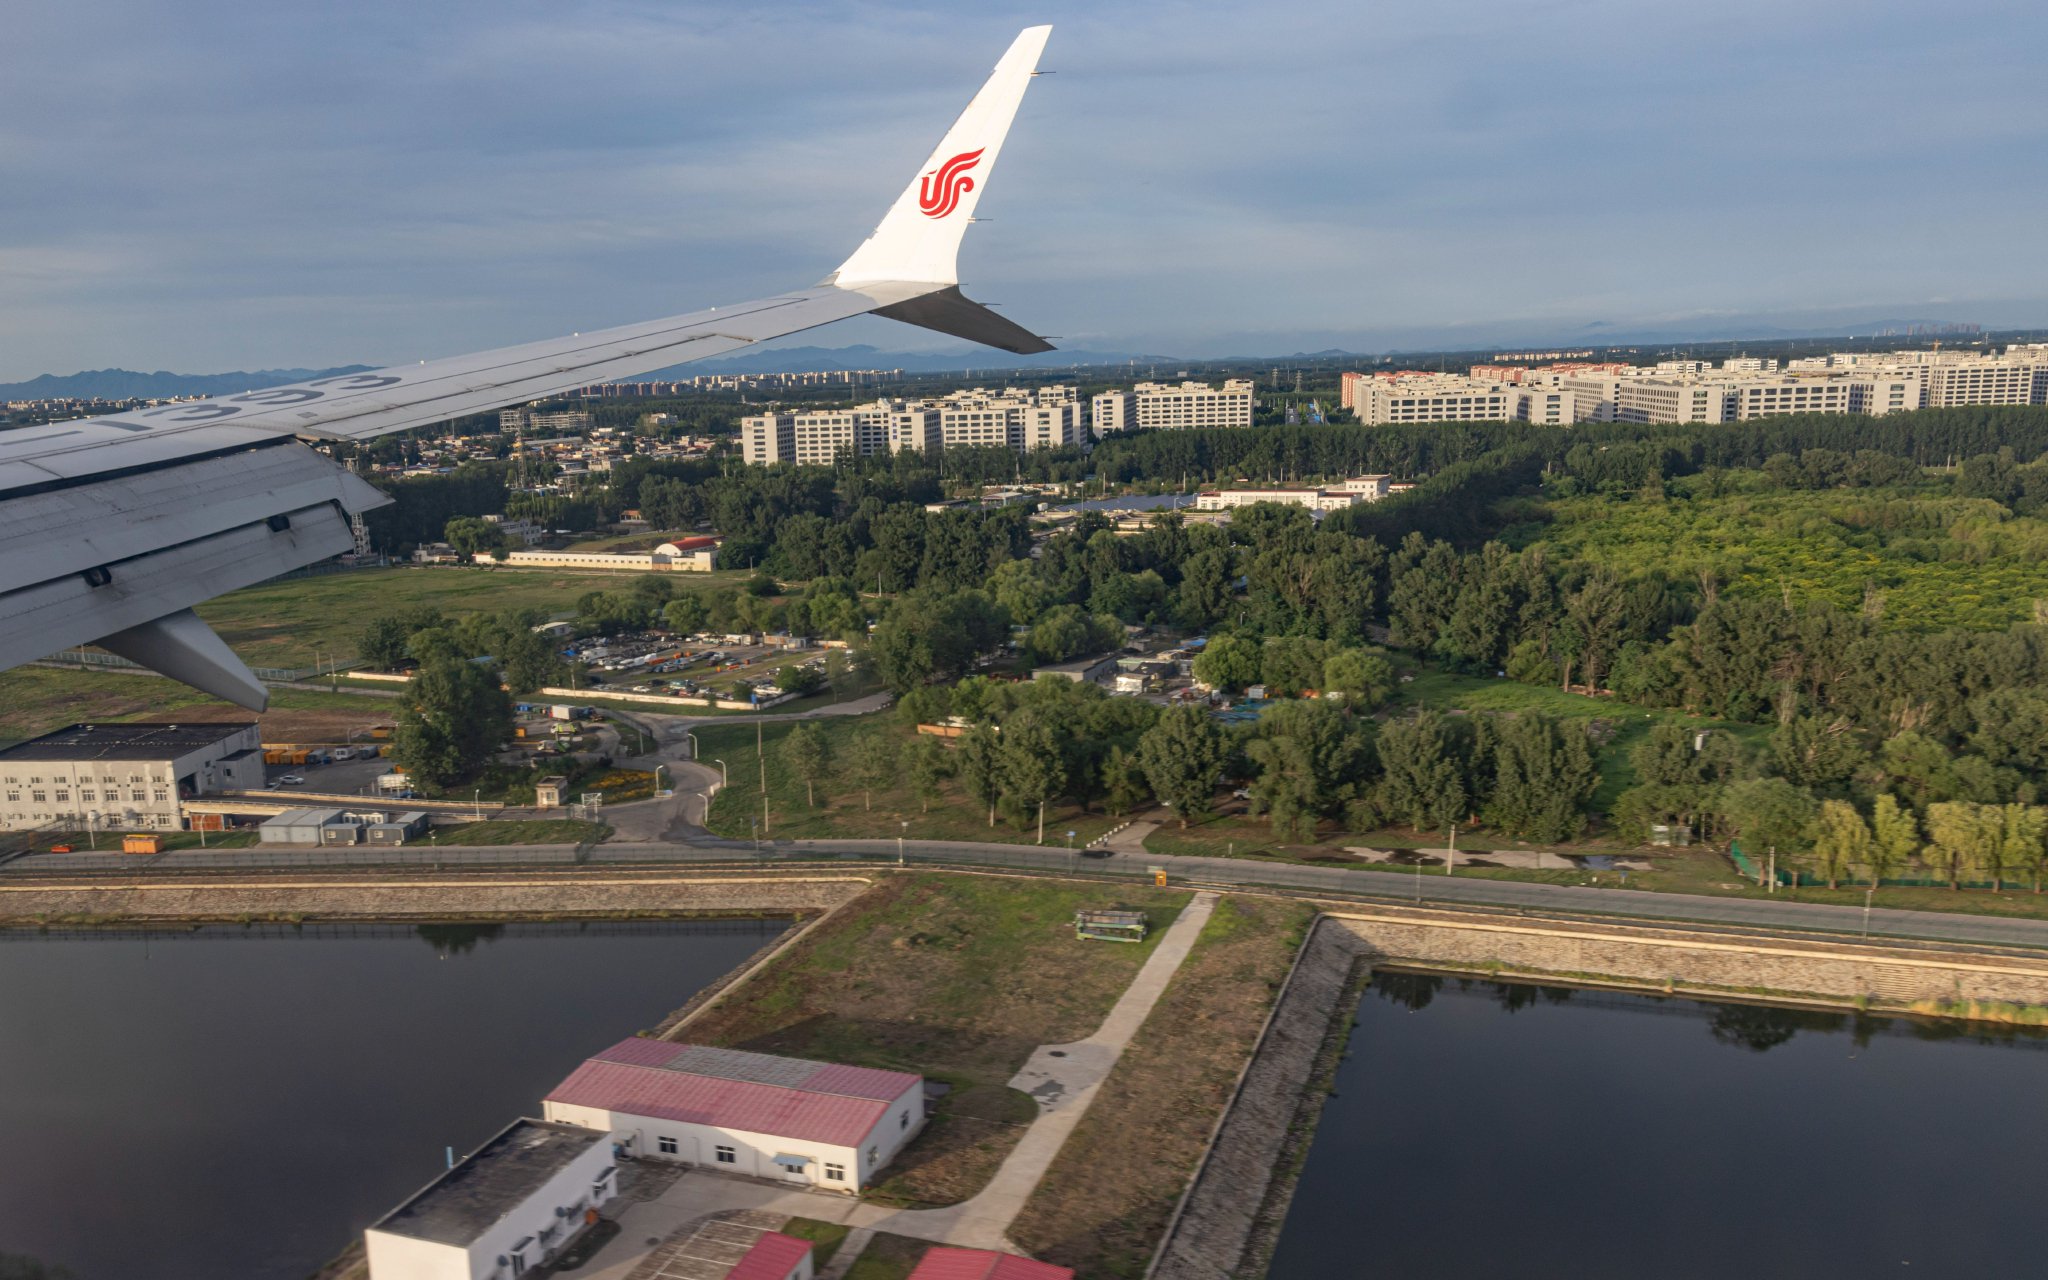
124, 777
813, 1123
507, 1208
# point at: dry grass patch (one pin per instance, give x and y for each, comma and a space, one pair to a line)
957, 978
1106, 1199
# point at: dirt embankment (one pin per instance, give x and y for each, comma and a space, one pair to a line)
1106, 1200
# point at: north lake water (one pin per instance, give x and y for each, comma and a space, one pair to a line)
239, 1102
1504, 1131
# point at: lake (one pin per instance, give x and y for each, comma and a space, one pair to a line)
240, 1102
1504, 1130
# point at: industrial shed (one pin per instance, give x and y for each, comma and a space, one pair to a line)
813, 1123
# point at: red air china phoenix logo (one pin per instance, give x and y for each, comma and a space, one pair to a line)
939, 192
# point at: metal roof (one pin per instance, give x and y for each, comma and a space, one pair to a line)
136, 740
732, 1089
942, 1262
460, 1205
773, 1257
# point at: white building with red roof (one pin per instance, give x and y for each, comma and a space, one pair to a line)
816, 1123
774, 1257
942, 1262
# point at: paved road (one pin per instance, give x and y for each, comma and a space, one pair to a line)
1379, 885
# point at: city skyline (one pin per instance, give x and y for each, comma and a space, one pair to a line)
241, 194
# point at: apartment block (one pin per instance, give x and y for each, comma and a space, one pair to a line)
1011, 419
1152, 406
1391, 398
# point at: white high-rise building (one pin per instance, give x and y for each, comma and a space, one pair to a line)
1153, 406
1045, 418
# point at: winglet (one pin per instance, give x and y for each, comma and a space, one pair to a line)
919, 240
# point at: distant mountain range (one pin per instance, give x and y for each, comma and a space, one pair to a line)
126, 384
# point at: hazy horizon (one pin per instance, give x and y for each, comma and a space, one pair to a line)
236, 189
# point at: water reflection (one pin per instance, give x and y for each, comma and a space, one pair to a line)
457, 939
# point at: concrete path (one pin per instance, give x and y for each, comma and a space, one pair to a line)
1064, 1078
1132, 838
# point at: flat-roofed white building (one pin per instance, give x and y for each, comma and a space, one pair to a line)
505, 1209
1545, 405
1390, 399
1313, 499
1154, 406
124, 777
1014, 418
811, 1123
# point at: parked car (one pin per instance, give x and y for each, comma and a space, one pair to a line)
292, 780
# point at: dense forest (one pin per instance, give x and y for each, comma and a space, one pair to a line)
1866, 589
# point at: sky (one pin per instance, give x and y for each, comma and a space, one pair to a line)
211, 186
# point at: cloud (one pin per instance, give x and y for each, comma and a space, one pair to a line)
218, 185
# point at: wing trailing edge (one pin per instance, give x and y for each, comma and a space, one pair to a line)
112, 528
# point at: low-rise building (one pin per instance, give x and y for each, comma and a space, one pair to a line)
812, 1123
507, 1208
1346, 493
131, 776
944, 1262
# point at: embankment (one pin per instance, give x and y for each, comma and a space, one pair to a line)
1233, 1208
436, 896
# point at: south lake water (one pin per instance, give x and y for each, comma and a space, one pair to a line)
1506, 1131
232, 1102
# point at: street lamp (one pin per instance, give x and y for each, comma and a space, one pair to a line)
724, 777
476, 802
657, 778
899, 841
693, 743
757, 836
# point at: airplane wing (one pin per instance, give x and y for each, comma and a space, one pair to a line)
112, 528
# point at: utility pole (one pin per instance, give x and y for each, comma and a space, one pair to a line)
764, 811
1451, 854
1041, 820
761, 755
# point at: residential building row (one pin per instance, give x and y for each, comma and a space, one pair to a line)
1345, 493
1740, 389
1013, 418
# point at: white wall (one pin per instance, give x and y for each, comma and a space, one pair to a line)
396, 1257
753, 1153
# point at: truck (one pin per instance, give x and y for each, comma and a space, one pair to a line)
563, 711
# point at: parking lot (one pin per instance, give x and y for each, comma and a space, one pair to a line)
345, 777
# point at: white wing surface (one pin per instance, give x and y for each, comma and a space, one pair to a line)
112, 528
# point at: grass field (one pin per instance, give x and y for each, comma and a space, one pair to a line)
1105, 1201
36, 700
1622, 726
497, 831
957, 978
294, 622
844, 811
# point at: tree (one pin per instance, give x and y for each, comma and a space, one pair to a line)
686, 614
1364, 679
1182, 757
1313, 761
1123, 782
1894, 837
1420, 784
796, 678
804, 753
469, 535
980, 766
1543, 777
1033, 771
1769, 813
455, 714
1228, 662
382, 642
2024, 846
1959, 835
928, 767
1841, 840
872, 759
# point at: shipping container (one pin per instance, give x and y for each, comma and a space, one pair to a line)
142, 844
